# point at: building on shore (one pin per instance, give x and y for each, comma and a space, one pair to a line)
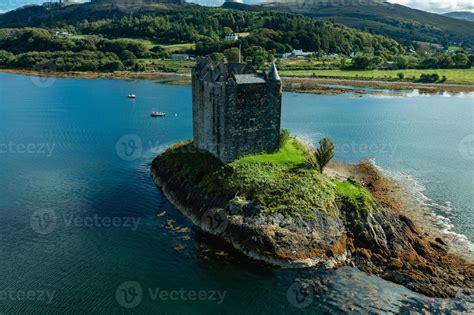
236, 111
231, 37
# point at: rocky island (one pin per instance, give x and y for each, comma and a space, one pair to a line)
242, 182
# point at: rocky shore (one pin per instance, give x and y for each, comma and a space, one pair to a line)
386, 243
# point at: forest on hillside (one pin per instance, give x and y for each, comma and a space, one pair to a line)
73, 43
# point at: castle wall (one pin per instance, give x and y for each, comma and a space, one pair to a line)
231, 120
208, 112
252, 117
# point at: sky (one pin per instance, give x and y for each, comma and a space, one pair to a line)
436, 6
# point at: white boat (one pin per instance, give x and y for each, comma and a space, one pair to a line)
158, 114
132, 96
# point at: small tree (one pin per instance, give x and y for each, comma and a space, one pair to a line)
217, 56
324, 153
232, 54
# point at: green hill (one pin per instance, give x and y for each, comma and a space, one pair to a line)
41, 15
404, 24
396, 21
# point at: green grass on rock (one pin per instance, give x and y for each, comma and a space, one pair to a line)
281, 182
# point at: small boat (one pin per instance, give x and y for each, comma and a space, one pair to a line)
132, 96
157, 114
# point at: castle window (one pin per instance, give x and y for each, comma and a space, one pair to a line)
252, 122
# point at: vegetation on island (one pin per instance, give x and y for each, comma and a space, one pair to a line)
324, 153
282, 182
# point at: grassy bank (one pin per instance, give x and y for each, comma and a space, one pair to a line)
454, 76
281, 182
171, 66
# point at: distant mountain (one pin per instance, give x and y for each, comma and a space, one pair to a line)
463, 15
399, 22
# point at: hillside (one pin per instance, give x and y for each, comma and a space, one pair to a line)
404, 24
37, 15
104, 37
396, 21
469, 16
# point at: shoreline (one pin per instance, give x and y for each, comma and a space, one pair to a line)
312, 85
392, 192
386, 243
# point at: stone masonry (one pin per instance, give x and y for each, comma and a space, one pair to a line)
236, 111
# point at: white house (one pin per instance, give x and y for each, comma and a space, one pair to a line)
63, 34
300, 53
231, 37
180, 57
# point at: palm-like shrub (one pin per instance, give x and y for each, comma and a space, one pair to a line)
324, 153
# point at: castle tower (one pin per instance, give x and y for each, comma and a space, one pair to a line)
236, 111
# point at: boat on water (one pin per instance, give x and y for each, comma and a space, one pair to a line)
132, 96
157, 114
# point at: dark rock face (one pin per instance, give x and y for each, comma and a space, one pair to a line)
286, 242
383, 243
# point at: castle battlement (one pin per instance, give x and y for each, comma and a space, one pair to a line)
236, 111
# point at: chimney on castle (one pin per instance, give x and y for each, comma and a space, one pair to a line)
273, 73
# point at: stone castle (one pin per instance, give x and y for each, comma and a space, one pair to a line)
236, 111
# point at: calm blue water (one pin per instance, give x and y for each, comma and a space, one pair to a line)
79, 214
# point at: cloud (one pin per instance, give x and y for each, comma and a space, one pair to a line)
438, 6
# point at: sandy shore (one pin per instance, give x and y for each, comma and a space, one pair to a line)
327, 86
